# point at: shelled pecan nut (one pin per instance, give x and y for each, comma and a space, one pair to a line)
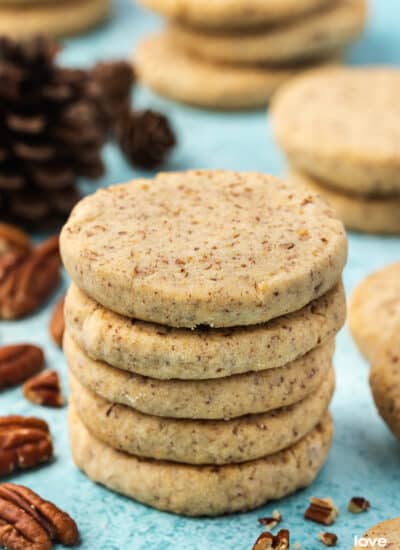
18, 363
44, 389
29, 281
57, 324
29, 522
13, 239
25, 442
9, 261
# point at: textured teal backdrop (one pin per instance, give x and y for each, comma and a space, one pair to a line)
365, 459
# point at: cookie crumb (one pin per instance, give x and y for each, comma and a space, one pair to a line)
273, 521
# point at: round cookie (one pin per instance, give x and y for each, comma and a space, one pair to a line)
342, 125
222, 398
164, 353
177, 75
385, 381
321, 33
218, 248
380, 215
57, 18
200, 441
233, 13
202, 490
387, 531
375, 309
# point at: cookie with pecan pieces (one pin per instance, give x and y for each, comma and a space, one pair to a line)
383, 535
207, 247
202, 490
375, 309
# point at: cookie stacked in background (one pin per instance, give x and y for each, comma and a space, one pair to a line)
340, 129
200, 332
234, 54
21, 19
374, 320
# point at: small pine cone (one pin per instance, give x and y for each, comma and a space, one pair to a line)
50, 134
145, 138
112, 82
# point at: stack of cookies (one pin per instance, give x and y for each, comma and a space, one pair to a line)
233, 54
24, 18
340, 129
200, 330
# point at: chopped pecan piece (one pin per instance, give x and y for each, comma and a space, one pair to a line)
18, 363
24, 443
264, 541
273, 521
329, 539
29, 522
358, 505
321, 510
268, 541
44, 389
57, 325
13, 239
27, 281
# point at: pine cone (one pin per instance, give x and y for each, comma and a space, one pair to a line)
144, 137
113, 81
50, 133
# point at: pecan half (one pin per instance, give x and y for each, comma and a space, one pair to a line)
13, 239
357, 505
24, 443
29, 522
329, 539
18, 363
57, 324
321, 510
268, 541
26, 282
44, 389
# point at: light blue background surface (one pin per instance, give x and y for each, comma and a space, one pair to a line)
365, 459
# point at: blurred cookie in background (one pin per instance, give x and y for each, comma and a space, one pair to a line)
385, 381
23, 18
314, 36
235, 55
232, 14
172, 72
339, 128
375, 309
367, 214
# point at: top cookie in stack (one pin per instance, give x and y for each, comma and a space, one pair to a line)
199, 337
234, 54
